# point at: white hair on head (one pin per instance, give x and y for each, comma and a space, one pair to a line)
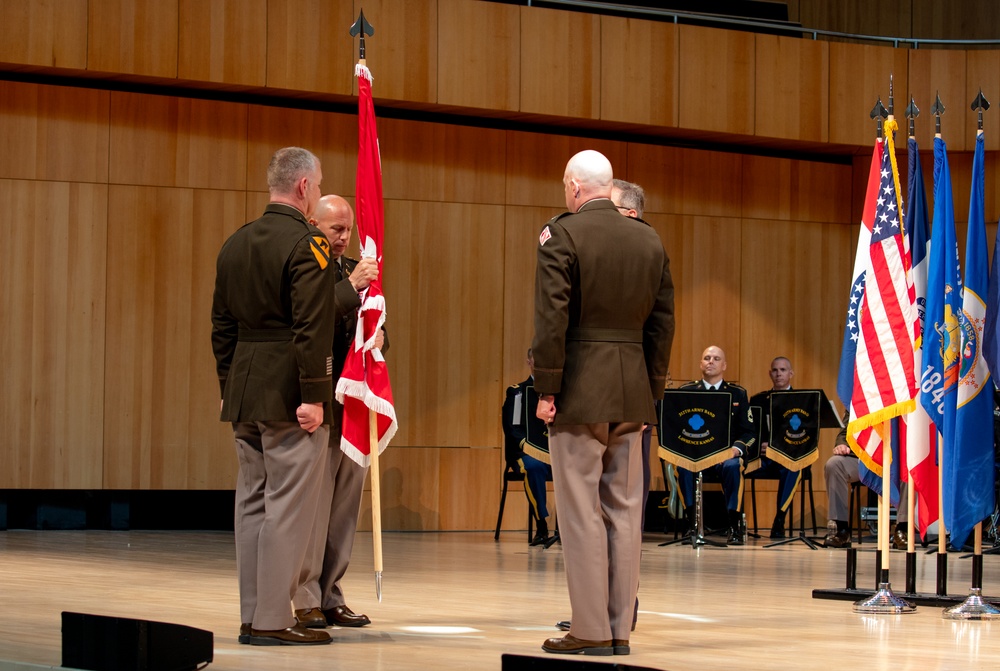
590, 168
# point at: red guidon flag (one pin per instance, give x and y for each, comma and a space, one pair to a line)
364, 384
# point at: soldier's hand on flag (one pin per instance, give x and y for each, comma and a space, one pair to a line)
364, 274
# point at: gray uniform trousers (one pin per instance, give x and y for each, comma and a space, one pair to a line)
597, 476
278, 489
842, 470
330, 549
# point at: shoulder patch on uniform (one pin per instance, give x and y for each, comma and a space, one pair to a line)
544, 236
321, 250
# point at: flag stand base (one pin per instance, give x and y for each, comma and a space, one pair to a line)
973, 608
884, 601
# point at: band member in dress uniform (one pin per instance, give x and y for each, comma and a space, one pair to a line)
519, 420
730, 471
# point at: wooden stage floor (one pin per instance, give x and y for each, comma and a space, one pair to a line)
459, 600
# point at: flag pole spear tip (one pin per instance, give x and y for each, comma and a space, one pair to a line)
980, 105
877, 114
361, 27
937, 110
891, 103
912, 112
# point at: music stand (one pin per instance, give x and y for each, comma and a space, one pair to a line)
795, 418
694, 434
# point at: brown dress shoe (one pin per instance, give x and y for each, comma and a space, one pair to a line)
620, 647
839, 539
297, 635
899, 539
571, 645
244, 636
342, 616
311, 618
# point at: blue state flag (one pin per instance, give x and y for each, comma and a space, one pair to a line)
939, 374
967, 468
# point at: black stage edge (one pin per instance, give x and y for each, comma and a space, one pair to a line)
919, 599
116, 510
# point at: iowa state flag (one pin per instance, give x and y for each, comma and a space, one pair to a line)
884, 382
921, 434
968, 465
364, 383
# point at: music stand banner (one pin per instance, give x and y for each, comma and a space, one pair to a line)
694, 428
536, 443
751, 458
795, 424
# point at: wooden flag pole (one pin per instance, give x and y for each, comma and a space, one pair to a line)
376, 501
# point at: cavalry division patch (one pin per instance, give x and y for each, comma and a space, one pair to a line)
321, 250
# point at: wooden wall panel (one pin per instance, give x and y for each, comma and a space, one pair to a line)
705, 262
793, 303
859, 75
687, 181
560, 64
447, 322
717, 79
53, 133
136, 37
639, 62
308, 45
223, 41
521, 228
958, 19
778, 188
479, 54
49, 33
983, 73
859, 17
164, 141
931, 72
332, 137
441, 162
792, 92
162, 428
536, 164
403, 53
52, 298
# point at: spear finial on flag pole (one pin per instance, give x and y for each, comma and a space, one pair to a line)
937, 110
912, 112
362, 27
891, 103
877, 114
980, 104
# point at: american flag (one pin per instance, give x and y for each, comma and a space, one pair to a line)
884, 383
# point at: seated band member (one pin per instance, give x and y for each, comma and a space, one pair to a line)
840, 471
730, 472
781, 380
518, 414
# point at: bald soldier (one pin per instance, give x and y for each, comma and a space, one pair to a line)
319, 601
604, 324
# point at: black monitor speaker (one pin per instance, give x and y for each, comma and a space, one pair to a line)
553, 663
101, 643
